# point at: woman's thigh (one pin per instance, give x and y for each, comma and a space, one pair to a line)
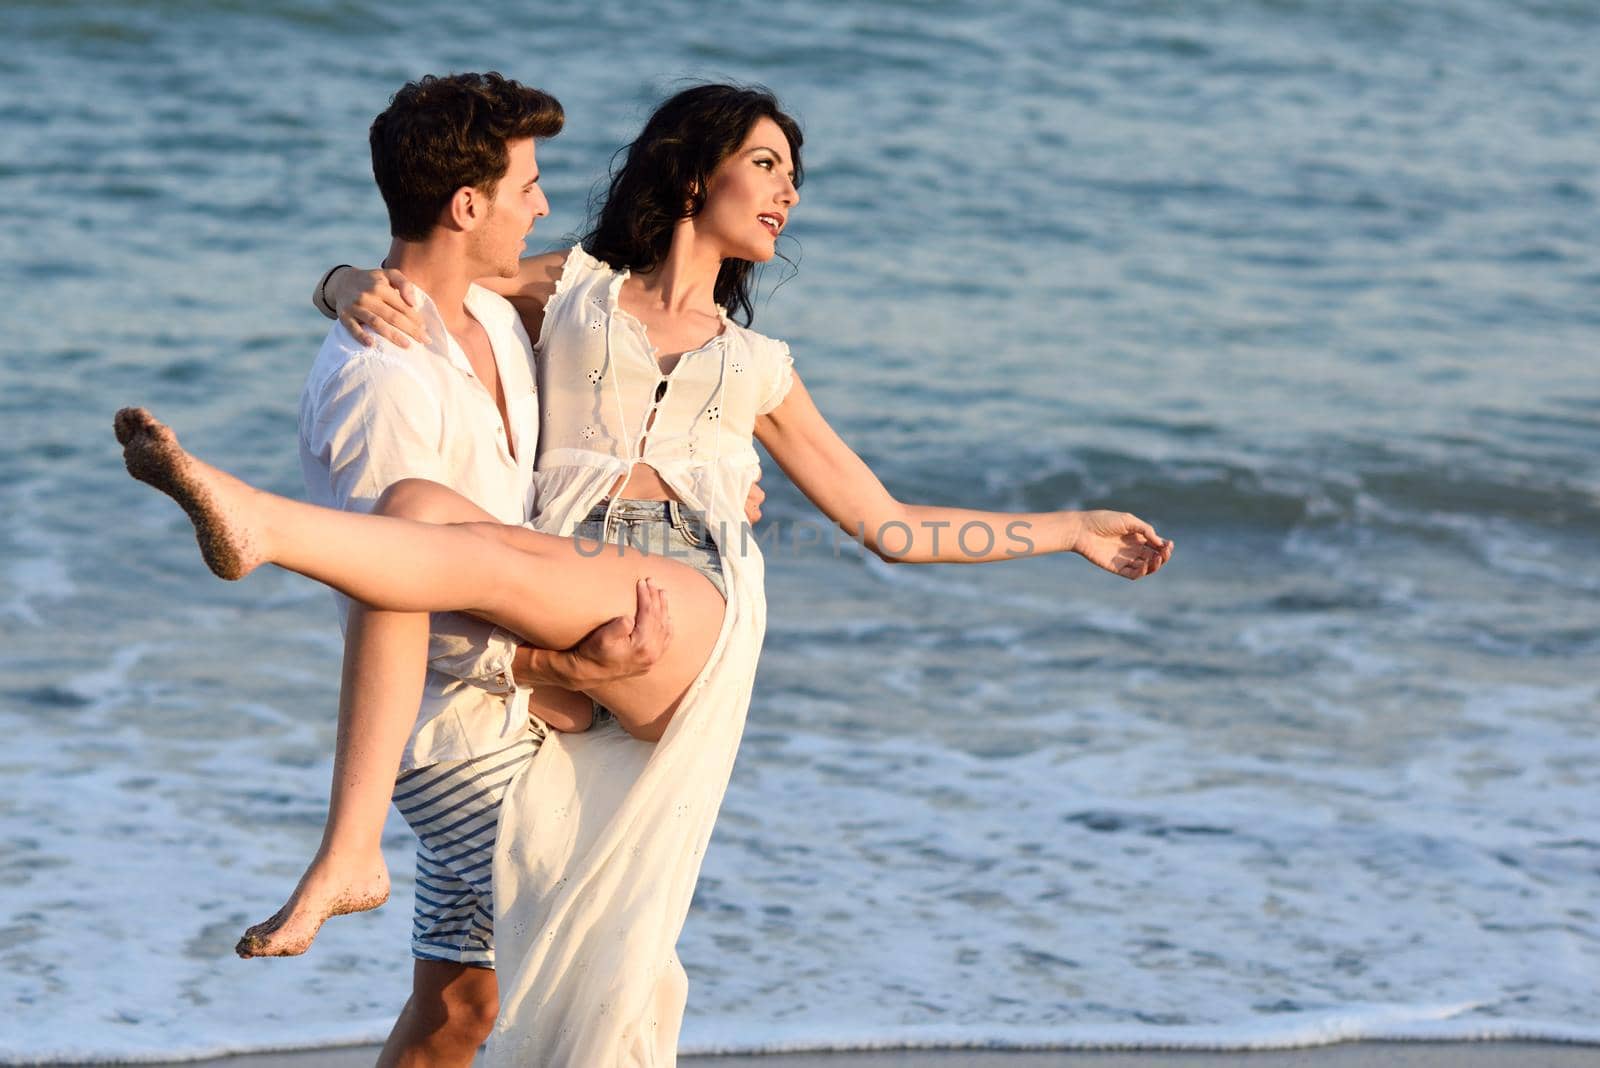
575, 584
594, 583
429, 502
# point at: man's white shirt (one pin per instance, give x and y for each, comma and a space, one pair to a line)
371, 415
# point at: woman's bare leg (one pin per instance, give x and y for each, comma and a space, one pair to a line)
385, 657
546, 589
380, 689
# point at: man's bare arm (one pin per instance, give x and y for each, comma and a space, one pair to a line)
618, 649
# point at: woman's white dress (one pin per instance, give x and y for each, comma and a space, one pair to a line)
602, 837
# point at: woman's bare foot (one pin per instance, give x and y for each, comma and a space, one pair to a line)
326, 889
212, 498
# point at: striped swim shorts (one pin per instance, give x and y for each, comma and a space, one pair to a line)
454, 808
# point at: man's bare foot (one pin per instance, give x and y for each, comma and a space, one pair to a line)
326, 889
209, 496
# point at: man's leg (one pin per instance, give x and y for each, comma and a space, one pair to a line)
449, 1015
454, 809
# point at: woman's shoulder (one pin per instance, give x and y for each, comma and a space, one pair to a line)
769, 361
753, 339
542, 278
770, 354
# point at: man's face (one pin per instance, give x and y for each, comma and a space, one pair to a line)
518, 201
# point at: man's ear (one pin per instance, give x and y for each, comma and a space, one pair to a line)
466, 209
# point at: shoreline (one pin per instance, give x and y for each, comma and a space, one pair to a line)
1357, 1054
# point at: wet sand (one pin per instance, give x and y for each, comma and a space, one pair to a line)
1346, 1055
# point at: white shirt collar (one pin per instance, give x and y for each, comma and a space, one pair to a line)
481, 304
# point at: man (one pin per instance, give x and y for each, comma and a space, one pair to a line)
455, 161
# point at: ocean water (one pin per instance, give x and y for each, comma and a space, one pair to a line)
1313, 287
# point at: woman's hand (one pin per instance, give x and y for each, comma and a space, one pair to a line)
1120, 543
378, 302
752, 502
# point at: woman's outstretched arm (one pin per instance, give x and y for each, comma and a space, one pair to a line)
847, 491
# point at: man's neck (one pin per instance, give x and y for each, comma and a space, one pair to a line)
439, 270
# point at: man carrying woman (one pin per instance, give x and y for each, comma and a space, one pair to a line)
454, 159
652, 397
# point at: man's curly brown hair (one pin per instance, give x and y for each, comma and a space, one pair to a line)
440, 134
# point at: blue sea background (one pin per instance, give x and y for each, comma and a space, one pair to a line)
1312, 286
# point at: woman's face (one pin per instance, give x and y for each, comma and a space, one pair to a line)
750, 195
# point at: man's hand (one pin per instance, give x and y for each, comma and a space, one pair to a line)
628, 645
617, 649
752, 503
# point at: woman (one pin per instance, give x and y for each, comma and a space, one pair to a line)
652, 394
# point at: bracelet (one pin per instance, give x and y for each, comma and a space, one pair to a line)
324, 305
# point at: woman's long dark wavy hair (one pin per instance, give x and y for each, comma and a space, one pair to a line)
669, 165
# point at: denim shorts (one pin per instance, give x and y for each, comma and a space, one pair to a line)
664, 528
